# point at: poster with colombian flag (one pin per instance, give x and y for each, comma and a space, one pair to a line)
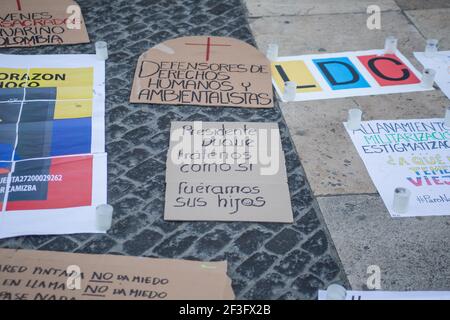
52, 138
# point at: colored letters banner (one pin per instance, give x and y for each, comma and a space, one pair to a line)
440, 62
346, 74
411, 154
226, 171
52, 161
29, 23
209, 71
45, 275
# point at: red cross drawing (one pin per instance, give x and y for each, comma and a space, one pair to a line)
19, 5
208, 46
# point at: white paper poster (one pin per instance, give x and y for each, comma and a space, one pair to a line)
346, 74
52, 143
440, 62
226, 171
392, 295
412, 154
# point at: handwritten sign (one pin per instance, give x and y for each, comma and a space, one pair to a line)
346, 74
412, 154
30, 23
226, 171
45, 275
209, 71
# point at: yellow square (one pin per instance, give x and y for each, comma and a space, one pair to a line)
73, 109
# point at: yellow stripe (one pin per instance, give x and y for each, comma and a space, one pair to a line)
72, 83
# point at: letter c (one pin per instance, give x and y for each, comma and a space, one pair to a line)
372, 66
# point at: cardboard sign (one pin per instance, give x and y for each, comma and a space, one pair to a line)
226, 171
391, 295
346, 74
30, 23
412, 154
52, 143
208, 71
45, 275
440, 62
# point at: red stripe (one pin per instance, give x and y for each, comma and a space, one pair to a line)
19, 5
208, 48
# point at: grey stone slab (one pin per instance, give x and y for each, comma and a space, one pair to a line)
298, 35
330, 160
331, 163
422, 4
412, 253
433, 24
263, 8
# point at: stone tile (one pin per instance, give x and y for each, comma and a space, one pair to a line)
99, 245
125, 206
323, 147
422, 4
325, 268
251, 240
317, 244
307, 286
331, 162
298, 35
212, 243
308, 222
141, 242
264, 8
433, 24
412, 253
293, 263
146, 170
256, 265
175, 245
266, 288
60, 244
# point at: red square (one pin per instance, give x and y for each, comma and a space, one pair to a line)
70, 185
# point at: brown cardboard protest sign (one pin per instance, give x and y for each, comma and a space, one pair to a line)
45, 275
203, 70
226, 171
29, 23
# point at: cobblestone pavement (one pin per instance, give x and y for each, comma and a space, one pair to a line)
266, 260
